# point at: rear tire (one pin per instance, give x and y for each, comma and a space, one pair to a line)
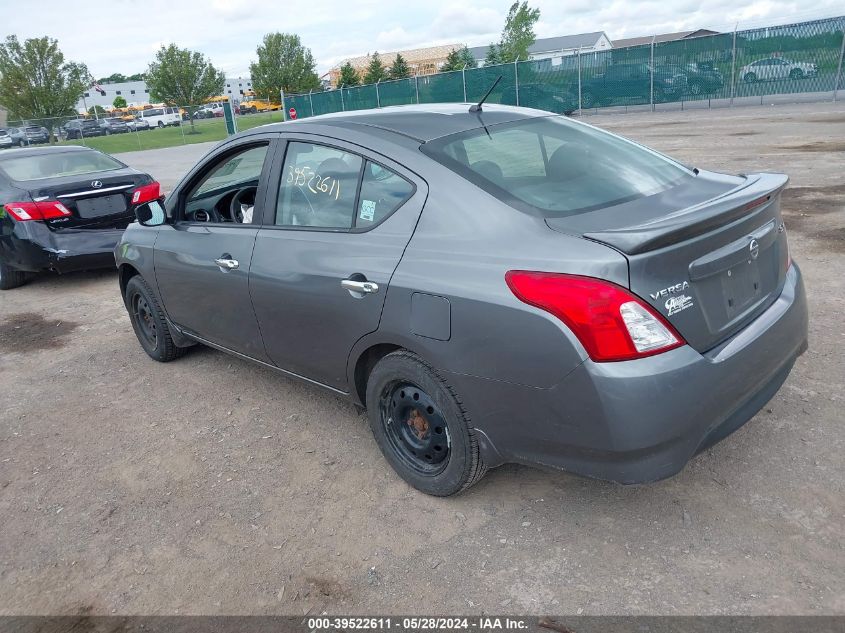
587, 100
695, 88
149, 322
10, 277
421, 426
161, 124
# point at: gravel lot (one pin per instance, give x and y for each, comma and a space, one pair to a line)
212, 486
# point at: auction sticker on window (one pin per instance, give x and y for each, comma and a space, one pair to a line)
368, 210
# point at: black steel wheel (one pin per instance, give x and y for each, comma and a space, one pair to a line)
421, 426
143, 315
149, 322
415, 427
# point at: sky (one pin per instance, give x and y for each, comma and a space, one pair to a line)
123, 35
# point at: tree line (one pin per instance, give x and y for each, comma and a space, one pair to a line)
37, 82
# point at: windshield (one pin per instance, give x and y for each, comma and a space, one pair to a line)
555, 167
58, 164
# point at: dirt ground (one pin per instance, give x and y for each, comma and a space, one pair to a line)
213, 486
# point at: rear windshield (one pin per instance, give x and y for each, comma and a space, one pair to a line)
57, 164
555, 167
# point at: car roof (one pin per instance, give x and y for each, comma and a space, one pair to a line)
422, 123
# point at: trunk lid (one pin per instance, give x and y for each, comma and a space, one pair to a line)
710, 255
92, 207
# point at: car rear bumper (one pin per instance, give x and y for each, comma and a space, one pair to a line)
641, 421
33, 247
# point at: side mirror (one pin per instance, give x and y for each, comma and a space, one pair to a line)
151, 213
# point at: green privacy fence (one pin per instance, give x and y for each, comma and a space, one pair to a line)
788, 59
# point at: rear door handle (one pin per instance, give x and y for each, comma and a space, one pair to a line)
226, 264
367, 287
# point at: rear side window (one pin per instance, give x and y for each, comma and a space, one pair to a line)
57, 164
382, 192
555, 167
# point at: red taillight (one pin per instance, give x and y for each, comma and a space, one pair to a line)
43, 210
611, 323
146, 193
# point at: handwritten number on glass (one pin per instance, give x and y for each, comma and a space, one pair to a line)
307, 177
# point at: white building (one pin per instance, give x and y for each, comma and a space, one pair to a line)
136, 93
555, 48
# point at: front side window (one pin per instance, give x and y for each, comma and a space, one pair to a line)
555, 167
227, 191
318, 187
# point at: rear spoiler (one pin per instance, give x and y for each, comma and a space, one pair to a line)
756, 191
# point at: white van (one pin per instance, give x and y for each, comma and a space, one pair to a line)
160, 117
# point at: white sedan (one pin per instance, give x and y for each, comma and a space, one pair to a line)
776, 68
136, 125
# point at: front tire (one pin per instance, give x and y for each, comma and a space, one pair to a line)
161, 124
796, 73
149, 323
10, 277
750, 78
421, 426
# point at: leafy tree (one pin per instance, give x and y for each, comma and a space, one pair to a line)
452, 62
114, 78
179, 76
494, 55
400, 68
119, 102
96, 109
375, 70
348, 76
457, 59
518, 34
37, 83
283, 64
136, 77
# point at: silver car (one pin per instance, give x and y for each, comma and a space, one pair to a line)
492, 284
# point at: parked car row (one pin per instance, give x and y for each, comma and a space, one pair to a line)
670, 82
22, 136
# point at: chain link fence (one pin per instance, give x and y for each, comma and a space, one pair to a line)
790, 59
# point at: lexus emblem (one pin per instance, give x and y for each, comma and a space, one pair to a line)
754, 248
96, 184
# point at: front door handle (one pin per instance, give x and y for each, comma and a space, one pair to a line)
226, 263
367, 287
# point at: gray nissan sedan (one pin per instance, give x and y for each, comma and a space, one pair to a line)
492, 284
